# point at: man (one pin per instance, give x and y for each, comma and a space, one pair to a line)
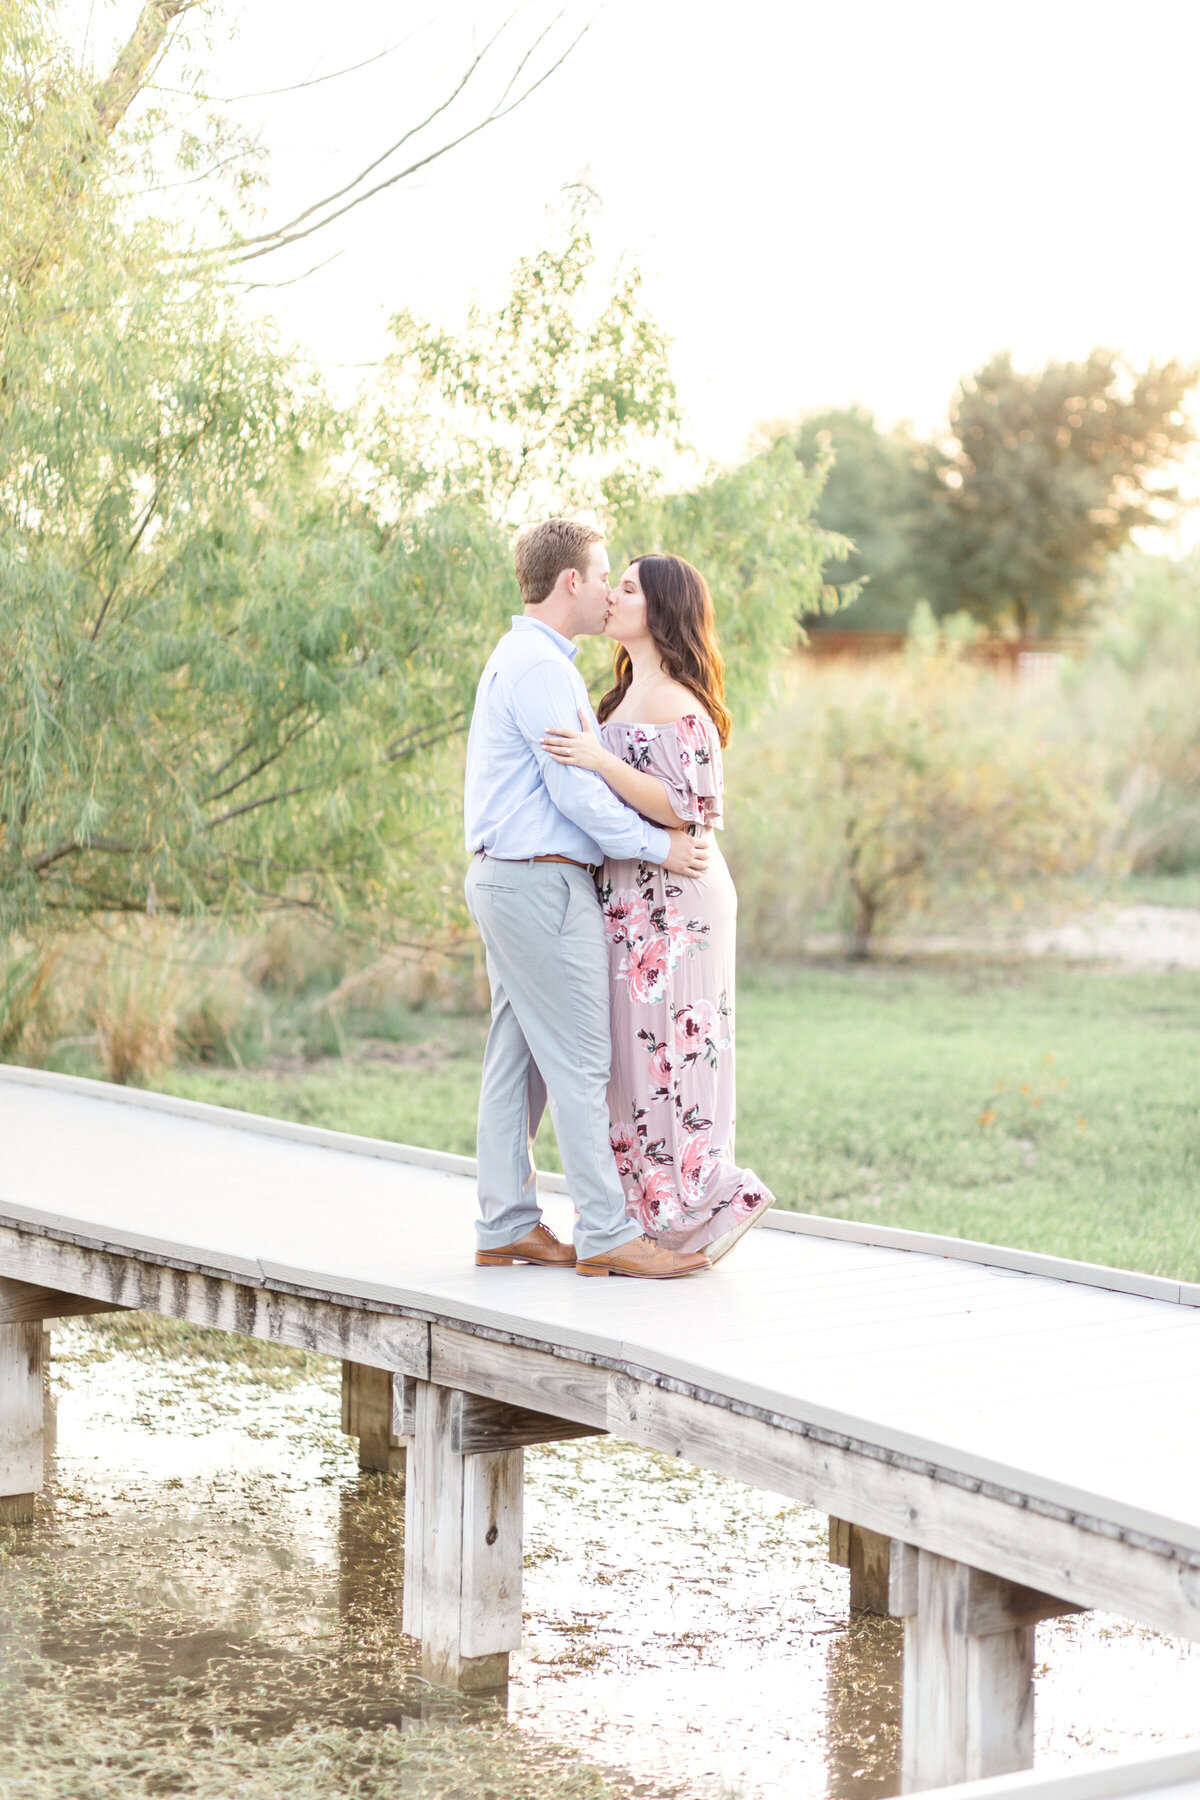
538, 830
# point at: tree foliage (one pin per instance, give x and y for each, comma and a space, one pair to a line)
1044, 476
872, 495
559, 397
1013, 514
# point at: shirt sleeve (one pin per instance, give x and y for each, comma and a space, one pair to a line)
546, 696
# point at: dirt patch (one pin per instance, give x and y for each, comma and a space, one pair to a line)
1119, 937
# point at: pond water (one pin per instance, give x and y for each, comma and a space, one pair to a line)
209, 1560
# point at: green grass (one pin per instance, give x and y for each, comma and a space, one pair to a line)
1056, 1109
406, 1103
1157, 890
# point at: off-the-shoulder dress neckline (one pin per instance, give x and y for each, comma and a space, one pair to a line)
650, 725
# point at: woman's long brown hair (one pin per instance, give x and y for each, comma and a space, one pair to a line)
680, 619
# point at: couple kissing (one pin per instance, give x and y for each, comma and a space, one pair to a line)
608, 914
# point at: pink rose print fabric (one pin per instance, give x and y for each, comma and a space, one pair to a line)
671, 966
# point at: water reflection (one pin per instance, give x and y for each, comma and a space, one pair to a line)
862, 1730
220, 1585
370, 1546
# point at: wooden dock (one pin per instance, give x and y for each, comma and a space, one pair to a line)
997, 1437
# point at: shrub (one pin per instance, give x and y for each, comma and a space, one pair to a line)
25, 999
133, 1005
1138, 690
877, 792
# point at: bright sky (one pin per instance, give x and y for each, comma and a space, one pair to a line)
852, 201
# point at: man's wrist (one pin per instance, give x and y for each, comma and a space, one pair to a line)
657, 846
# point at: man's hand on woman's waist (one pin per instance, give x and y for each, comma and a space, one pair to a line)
688, 855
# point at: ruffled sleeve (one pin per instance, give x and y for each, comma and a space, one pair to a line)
688, 762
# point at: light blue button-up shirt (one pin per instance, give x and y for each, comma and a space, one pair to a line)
519, 802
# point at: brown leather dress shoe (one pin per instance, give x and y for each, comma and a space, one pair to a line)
643, 1258
537, 1246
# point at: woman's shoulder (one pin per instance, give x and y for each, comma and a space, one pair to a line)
670, 703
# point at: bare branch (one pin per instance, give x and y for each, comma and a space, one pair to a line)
165, 187
249, 806
254, 287
423, 740
340, 193
45, 859
249, 249
492, 118
148, 514
150, 510
396, 752
249, 743
265, 763
296, 86
538, 41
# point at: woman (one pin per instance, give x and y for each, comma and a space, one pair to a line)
671, 940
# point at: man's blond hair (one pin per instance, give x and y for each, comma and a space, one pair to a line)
544, 551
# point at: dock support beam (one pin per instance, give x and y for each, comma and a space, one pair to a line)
463, 1549
968, 1669
377, 1409
867, 1555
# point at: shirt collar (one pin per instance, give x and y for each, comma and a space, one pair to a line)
522, 623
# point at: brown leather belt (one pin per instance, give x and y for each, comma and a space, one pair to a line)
574, 861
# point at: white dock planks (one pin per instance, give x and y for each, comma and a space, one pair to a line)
1072, 1394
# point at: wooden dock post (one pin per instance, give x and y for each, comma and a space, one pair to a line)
968, 1669
20, 1420
463, 1547
24, 1307
867, 1555
377, 1410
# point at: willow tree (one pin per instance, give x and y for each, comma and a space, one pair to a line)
236, 622
230, 634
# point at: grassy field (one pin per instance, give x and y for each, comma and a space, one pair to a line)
1053, 1108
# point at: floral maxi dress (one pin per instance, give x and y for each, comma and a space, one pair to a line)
671, 974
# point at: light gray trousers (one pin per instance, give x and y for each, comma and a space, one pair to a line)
547, 964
